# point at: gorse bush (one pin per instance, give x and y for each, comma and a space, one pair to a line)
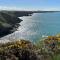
47, 49
18, 50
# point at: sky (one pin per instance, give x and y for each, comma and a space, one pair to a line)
30, 5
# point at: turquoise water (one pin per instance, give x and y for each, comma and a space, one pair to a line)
38, 25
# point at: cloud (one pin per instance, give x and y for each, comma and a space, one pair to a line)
50, 8
15, 8
10, 8
35, 9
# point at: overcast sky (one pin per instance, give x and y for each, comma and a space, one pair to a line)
30, 4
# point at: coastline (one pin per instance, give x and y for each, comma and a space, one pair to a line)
13, 24
10, 21
11, 36
15, 27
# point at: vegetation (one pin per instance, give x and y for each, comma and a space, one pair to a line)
18, 50
50, 46
47, 49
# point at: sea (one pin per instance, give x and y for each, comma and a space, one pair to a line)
37, 26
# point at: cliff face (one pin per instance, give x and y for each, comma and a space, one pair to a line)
9, 21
